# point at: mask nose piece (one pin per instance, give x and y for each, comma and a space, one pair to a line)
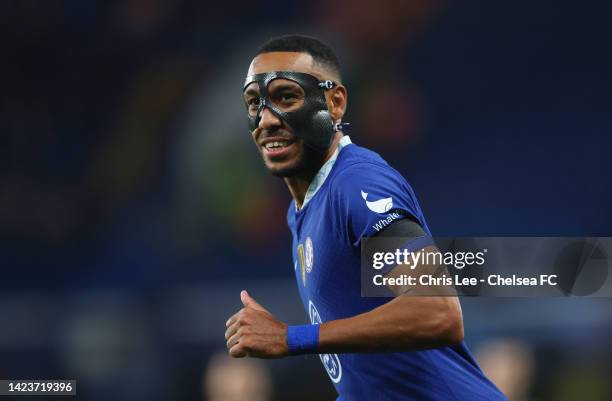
262, 106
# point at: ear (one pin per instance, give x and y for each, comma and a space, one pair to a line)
336, 102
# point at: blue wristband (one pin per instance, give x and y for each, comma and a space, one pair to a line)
303, 339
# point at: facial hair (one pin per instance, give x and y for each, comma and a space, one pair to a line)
309, 162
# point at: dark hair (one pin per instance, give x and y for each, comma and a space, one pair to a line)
319, 51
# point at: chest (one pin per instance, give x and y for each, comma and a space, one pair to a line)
321, 258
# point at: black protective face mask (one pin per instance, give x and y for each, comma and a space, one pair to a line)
312, 121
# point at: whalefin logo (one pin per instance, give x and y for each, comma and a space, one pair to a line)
379, 206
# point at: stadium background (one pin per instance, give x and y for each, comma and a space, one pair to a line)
134, 207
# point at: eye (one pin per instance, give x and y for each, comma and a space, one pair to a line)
287, 96
253, 102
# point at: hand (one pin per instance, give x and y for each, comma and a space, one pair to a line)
253, 331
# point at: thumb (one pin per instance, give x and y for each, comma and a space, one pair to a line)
249, 302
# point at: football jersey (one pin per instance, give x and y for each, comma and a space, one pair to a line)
355, 195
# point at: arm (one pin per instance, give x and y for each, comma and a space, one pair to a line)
406, 323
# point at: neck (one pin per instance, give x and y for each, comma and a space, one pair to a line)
298, 184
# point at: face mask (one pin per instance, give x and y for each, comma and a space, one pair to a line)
312, 121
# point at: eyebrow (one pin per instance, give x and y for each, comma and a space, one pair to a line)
282, 87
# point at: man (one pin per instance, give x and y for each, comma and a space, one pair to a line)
406, 348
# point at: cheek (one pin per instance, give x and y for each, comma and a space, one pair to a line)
299, 151
255, 135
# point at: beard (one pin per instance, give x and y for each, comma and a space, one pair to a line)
307, 162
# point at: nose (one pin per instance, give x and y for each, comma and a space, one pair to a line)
268, 120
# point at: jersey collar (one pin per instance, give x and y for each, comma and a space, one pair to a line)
321, 176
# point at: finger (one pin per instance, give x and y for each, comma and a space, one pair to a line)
237, 351
231, 330
250, 302
232, 319
232, 340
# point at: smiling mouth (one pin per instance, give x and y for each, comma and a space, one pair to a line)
277, 147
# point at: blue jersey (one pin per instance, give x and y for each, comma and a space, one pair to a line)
355, 195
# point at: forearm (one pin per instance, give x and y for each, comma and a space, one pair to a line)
407, 323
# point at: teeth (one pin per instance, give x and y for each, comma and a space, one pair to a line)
275, 145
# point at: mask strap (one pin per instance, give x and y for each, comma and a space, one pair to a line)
328, 84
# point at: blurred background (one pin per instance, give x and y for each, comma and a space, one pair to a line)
134, 206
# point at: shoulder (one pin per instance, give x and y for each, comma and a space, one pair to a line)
352, 155
360, 169
365, 191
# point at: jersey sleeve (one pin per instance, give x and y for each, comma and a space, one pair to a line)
368, 198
